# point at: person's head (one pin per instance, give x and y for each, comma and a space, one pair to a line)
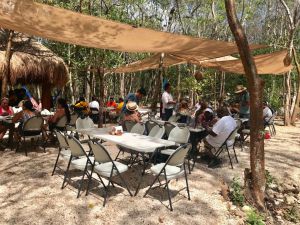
111, 99
132, 107
121, 100
184, 104
167, 87
265, 104
27, 105
240, 89
222, 111
4, 103
81, 99
140, 93
94, 98
62, 104
208, 114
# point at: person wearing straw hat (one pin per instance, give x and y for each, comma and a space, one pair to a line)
132, 113
244, 101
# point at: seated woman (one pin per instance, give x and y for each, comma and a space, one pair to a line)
183, 111
5, 110
27, 112
131, 114
62, 110
207, 118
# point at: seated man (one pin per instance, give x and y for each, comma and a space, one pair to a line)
219, 133
267, 113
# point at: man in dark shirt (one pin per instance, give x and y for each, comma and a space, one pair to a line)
134, 97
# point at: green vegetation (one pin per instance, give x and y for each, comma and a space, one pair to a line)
236, 193
270, 179
254, 218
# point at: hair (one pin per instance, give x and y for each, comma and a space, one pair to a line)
4, 98
167, 85
64, 104
81, 99
28, 105
142, 91
94, 98
223, 111
121, 99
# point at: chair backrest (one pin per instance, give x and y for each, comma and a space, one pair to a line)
75, 147
61, 139
174, 118
149, 125
168, 128
16, 109
138, 128
231, 138
129, 124
157, 131
84, 123
62, 122
178, 156
238, 123
73, 119
271, 120
100, 153
94, 110
34, 123
179, 135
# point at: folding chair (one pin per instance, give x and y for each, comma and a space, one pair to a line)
149, 125
128, 125
61, 124
228, 143
106, 168
138, 128
71, 126
172, 169
168, 128
271, 125
173, 118
32, 128
63, 149
79, 159
84, 123
238, 136
157, 131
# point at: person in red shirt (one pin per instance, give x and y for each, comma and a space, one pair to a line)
5, 110
111, 103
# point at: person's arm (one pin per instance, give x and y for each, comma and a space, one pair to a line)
17, 117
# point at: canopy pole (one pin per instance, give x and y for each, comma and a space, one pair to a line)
158, 82
46, 96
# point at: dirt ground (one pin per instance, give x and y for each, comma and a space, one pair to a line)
30, 195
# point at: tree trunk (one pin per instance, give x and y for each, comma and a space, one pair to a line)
46, 96
70, 76
287, 99
158, 84
178, 83
100, 74
297, 102
255, 85
6, 71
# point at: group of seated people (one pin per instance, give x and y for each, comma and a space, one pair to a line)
28, 111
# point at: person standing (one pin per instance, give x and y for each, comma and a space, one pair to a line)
134, 97
244, 101
167, 103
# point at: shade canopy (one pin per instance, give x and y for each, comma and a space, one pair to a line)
272, 63
33, 63
70, 27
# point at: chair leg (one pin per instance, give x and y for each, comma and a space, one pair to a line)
235, 154
125, 184
186, 181
81, 182
157, 176
66, 173
274, 129
89, 181
117, 155
168, 190
24, 141
229, 157
59, 149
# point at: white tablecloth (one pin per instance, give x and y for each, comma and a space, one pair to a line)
136, 142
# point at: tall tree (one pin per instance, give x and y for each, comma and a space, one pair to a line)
255, 85
8, 53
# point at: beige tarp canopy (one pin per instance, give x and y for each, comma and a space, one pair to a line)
272, 63
74, 28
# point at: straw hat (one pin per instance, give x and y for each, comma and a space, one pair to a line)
131, 106
239, 89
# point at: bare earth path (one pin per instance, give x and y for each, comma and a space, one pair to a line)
30, 195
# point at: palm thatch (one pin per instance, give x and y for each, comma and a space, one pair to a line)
33, 63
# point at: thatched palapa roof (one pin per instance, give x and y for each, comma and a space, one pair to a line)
33, 63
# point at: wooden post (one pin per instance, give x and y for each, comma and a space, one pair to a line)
46, 96
100, 73
6, 72
256, 177
158, 84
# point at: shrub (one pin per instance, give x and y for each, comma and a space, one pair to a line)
236, 193
254, 218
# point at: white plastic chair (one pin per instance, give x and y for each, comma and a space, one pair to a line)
180, 135
79, 160
63, 148
61, 123
157, 131
84, 123
106, 168
174, 118
172, 169
138, 128
72, 124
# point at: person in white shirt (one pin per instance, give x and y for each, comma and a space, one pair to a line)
219, 132
267, 113
167, 103
94, 104
94, 107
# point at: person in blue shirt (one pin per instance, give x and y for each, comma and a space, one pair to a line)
134, 97
244, 101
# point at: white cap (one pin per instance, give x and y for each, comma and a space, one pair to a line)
208, 110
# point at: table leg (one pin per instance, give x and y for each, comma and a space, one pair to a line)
11, 136
142, 173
